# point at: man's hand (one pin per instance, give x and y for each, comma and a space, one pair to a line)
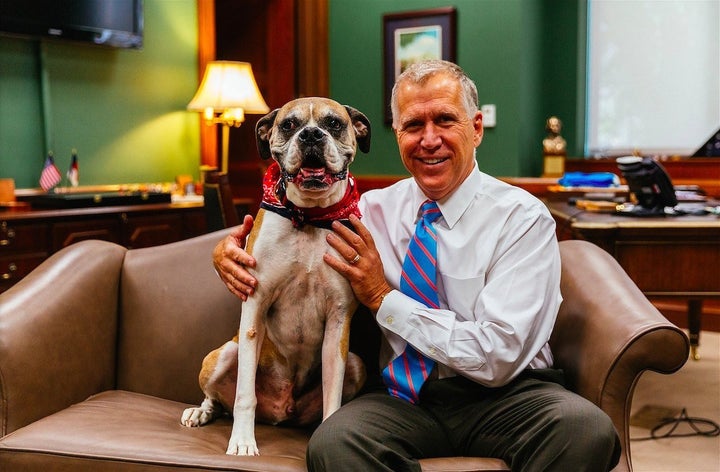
230, 261
360, 262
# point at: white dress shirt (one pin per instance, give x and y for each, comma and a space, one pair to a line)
498, 278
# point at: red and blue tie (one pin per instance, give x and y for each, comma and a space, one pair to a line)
405, 375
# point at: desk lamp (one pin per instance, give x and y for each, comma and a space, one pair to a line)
228, 90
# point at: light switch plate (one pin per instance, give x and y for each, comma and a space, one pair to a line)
489, 116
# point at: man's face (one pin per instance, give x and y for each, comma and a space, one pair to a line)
435, 136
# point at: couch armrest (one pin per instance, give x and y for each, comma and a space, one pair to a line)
58, 330
608, 333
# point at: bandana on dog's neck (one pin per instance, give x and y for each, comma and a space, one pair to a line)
275, 200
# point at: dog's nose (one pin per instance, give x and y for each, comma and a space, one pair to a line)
311, 135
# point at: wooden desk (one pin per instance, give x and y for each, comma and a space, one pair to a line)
702, 171
29, 236
666, 257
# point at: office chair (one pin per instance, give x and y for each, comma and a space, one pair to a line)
220, 211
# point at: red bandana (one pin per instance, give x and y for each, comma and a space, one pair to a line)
274, 200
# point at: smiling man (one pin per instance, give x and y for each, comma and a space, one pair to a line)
437, 129
462, 272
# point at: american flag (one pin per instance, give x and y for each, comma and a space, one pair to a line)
73, 174
50, 176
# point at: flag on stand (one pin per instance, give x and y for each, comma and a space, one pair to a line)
73, 173
50, 175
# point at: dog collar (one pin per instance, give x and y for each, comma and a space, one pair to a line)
275, 200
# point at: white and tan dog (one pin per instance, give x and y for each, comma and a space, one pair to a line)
299, 317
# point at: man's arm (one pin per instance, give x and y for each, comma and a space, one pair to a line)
366, 274
499, 322
505, 321
230, 261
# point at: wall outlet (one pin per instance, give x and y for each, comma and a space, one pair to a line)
489, 116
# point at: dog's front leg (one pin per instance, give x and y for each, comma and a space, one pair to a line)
334, 356
250, 338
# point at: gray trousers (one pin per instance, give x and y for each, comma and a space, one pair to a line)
533, 423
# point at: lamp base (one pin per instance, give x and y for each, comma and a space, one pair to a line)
225, 147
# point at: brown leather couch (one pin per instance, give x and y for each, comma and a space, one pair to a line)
100, 349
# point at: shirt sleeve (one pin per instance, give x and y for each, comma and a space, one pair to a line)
507, 315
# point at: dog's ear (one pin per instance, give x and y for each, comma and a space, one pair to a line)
362, 128
262, 133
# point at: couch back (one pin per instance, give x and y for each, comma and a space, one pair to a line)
174, 309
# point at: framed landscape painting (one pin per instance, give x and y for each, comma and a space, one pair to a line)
415, 36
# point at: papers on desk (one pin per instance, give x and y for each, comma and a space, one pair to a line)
187, 198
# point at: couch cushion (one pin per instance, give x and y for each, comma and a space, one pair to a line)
124, 431
129, 431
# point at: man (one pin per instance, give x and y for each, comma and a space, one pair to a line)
492, 391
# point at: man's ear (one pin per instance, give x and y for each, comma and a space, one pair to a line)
262, 134
362, 128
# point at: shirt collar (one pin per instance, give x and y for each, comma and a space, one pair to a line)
458, 201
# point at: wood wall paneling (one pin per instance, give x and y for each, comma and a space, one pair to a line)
286, 43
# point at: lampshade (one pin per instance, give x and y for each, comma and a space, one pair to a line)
228, 85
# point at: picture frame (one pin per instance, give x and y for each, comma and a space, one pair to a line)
412, 36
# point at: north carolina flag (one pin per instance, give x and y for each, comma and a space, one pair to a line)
50, 176
73, 173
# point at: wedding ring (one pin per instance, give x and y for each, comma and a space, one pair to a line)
355, 259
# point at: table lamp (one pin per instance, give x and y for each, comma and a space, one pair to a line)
227, 91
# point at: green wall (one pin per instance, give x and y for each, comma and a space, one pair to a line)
523, 55
124, 110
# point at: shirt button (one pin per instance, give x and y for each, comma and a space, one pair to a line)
389, 320
432, 351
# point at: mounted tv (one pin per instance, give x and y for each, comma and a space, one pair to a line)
112, 23
649, 183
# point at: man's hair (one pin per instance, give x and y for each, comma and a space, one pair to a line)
421, 72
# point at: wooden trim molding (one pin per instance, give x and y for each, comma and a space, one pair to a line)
312, 49
371, 182
206, 53
311, 58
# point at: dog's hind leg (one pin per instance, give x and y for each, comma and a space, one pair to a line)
217, 379
355, 376
207, 411
310, 404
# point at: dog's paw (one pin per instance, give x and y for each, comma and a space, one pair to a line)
193, 417
240, 447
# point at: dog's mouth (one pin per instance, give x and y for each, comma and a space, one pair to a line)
313, 175
313, 178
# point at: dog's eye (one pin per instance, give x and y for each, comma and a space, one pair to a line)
288, 125
333, 124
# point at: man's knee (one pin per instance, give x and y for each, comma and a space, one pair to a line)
606, 441
324, 439
591, 435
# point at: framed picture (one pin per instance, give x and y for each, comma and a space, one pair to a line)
414, 36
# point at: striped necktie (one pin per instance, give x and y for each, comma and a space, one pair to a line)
405, 375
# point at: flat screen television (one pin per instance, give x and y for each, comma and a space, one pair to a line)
113, 23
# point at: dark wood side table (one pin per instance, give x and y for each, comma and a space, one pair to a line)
675, 256
29, 236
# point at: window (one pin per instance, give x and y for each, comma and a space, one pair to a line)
653, 76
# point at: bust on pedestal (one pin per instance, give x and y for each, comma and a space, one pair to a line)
554, 149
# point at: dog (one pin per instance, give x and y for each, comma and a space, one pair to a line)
290, 362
